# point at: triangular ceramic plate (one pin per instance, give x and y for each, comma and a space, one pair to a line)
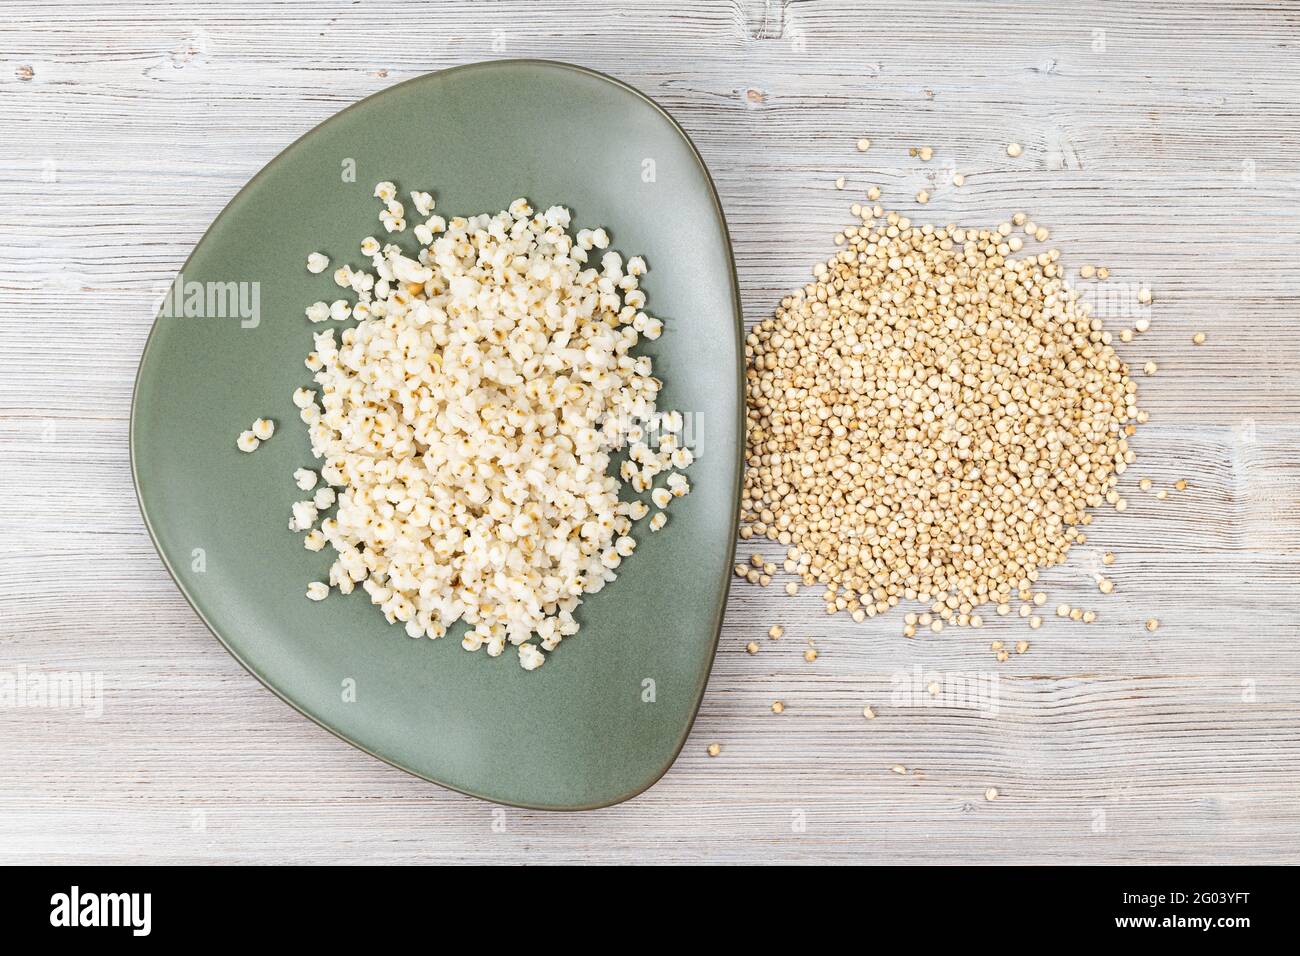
608, 713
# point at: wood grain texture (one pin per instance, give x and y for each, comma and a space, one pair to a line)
1161, 140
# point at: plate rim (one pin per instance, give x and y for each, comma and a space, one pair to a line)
739, 328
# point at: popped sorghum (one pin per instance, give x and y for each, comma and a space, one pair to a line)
467, 425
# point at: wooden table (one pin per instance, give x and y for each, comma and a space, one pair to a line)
1161, 140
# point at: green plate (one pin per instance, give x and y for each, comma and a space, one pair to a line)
609, 712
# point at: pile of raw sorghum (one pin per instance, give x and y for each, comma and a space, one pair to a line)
930, 419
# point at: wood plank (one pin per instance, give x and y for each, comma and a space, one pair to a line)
1166, 147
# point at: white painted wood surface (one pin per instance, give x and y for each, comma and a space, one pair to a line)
1161, 139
